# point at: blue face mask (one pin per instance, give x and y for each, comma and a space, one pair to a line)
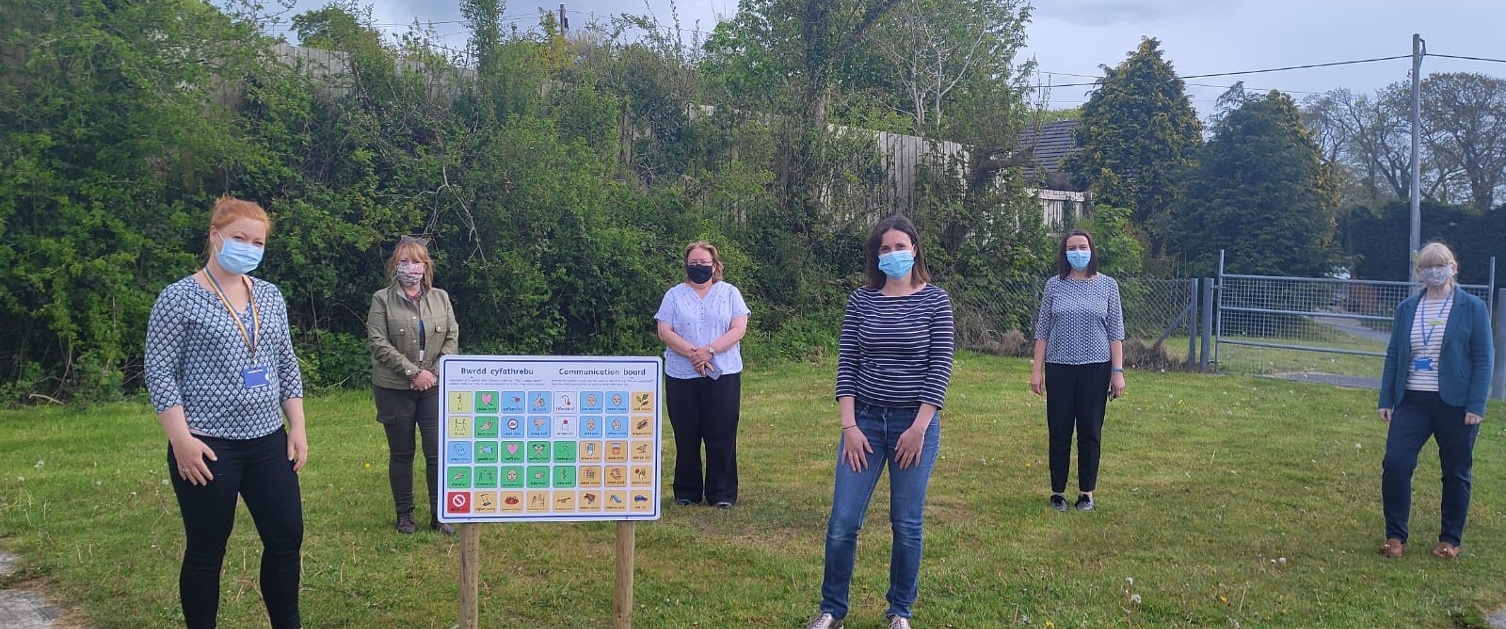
896, 264
1079, 258
238, 257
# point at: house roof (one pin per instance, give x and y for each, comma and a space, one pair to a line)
1049, 144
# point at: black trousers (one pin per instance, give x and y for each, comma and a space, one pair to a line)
257, 470
1076, 397
705, 410
400, 411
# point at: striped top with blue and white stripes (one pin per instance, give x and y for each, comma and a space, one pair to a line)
1427, 341
896, 351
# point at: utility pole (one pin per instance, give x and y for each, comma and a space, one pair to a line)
564, 21
1419, 49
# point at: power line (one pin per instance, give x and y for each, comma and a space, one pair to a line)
1264, 70
1301, 67
1086, 76
1429, 54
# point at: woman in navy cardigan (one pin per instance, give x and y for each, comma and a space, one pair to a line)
1435, 384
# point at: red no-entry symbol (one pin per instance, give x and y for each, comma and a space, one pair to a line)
459, 502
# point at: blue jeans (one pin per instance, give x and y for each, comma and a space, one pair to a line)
907, 500
1423, 414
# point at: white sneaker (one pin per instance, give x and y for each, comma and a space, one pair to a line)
896, 622
824, 621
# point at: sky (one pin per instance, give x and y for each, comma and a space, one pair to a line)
1071, 39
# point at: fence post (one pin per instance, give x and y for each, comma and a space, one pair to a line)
1192, 322
1207, 349
1498, 379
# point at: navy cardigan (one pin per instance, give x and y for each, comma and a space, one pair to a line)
1464, 362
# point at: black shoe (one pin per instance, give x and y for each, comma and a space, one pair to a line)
723, 505
441, 527
684, 502
405, 524
1058, 502
1084, 502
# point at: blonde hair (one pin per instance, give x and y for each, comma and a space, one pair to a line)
1435, 254
227, 210
416, 250
716, 260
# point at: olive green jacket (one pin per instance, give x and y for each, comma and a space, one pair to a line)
392, 331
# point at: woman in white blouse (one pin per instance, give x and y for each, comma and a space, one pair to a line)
702, 321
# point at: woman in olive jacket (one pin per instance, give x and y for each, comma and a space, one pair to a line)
410, 326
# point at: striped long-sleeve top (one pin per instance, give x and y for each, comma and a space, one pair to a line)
896, 351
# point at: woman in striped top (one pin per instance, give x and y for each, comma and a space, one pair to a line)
1079, 363
893, 367
1435, 384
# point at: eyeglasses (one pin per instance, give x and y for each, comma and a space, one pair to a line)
414, 240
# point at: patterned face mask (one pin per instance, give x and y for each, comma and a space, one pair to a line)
1436, 276
410, 273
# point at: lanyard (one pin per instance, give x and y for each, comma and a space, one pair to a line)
1428, 330
255, 332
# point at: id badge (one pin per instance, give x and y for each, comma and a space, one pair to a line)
1422, 363
254, 378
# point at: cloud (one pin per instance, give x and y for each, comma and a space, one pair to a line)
1129, 12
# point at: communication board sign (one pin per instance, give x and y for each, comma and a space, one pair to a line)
549, 438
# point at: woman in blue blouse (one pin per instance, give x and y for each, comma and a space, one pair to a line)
702, 321
1079, 363
222, 376
1435, 384
893, 368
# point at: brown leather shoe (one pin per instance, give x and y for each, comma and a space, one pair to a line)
1445, 550
1393, 547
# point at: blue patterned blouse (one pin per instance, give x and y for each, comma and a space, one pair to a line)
1078, 318
195, 356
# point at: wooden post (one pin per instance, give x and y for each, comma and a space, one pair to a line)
622, 603
470, 580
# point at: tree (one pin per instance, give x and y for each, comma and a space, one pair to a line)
938, 46
1463, 147
1138, 134
106, 150
1465, 123
1262, 192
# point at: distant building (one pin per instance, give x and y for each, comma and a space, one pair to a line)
1048, 145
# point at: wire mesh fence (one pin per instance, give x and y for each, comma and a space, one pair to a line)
1160, 318
1323, 329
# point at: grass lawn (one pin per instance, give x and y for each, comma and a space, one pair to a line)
1254, 360
1223, 501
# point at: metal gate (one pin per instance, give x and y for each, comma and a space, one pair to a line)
1331, 330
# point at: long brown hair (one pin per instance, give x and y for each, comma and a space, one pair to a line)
1063, 267
876, 278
